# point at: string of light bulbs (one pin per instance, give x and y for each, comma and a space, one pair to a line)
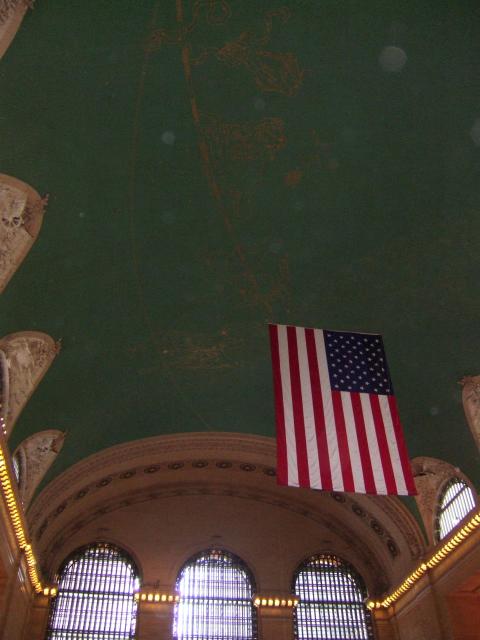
16, 518
443, 552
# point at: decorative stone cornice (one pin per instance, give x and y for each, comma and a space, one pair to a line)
167, 448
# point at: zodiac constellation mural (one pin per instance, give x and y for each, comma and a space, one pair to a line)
238, 154
272, 71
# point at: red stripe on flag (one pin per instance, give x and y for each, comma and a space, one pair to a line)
343, 449
318, 411
298, 417
363, 444
383, 445
402, 449
282, 465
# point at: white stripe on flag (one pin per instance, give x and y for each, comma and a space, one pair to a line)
353, 448
308, 415
377, 467
288, 406
331, 432
392, 446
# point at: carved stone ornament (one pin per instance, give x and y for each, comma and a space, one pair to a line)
21, 215
36, 454
29, 355
471, 405
11, 16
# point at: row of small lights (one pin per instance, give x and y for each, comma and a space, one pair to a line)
156, 597
432, 562
165, 597
16, 519
275, 602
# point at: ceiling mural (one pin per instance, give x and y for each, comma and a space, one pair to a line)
216, 165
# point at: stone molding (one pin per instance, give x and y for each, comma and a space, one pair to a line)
404, 520
260, 449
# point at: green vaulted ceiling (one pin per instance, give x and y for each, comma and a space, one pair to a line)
216, 165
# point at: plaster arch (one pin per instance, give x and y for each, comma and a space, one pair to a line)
167, 497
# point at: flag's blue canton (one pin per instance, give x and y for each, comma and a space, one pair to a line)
356, 362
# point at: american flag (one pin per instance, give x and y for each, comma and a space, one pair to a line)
338, 427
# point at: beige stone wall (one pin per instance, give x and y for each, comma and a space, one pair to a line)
38, 619
15, 591
444, 604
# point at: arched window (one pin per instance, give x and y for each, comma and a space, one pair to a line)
456, 500
17, 467
216, 599
95, 598
332, 601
